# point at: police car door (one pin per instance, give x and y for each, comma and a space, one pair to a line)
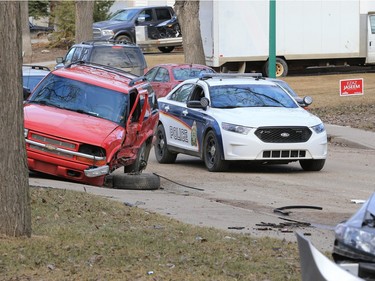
195, 120
176, 130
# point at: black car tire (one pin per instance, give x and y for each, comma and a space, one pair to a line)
211, 154
162, 154
166, 49
141, 161
124, 38
312, 165
144, 181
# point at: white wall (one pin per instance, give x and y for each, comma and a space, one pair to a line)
120, 4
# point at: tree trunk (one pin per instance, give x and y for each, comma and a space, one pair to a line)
84, 20
15, 212
187, 13
26, 40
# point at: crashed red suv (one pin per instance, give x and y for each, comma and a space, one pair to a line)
84, 121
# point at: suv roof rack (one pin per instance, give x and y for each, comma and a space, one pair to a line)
205, 76
99, 42
133, 78
37, 67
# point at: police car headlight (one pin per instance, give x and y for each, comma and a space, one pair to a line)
235, 128
318, 128
107, 32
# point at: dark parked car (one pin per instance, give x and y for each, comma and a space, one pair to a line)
122, 25
128, 57
38, 30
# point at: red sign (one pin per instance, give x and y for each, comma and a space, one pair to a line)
350, 87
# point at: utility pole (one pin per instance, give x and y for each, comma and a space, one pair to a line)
272, 40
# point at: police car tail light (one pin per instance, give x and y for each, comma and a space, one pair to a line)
235, 128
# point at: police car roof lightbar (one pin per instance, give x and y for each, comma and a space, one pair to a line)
230, 75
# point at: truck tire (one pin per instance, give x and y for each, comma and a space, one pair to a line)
281, 68
144, 181
124, 38
166, 49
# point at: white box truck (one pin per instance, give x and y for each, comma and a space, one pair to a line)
309, 33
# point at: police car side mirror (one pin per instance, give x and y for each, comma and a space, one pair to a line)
202, 103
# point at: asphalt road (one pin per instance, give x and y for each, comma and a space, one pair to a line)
244, 198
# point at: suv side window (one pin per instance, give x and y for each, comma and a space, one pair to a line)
162, 14
77, 54
85, 54
147, 14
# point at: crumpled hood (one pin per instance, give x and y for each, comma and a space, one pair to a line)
67, 124
266, 116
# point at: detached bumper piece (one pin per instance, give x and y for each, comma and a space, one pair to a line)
96, 171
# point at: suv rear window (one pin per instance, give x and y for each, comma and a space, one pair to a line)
124, 58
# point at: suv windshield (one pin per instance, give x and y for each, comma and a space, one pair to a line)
126, 58
81, 97
232, 96
124, 15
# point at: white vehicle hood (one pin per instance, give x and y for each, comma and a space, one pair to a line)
265, 116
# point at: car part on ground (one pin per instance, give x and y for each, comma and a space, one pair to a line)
222, 118
125, 56
84, 121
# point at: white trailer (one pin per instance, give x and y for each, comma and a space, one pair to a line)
309, 33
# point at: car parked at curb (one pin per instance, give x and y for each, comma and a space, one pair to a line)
222, 118
84, 121
164, 77
128, 57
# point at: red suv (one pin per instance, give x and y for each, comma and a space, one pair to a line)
84, 121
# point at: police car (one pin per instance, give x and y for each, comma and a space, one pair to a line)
224, 117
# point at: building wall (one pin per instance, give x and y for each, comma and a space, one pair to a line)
120, 4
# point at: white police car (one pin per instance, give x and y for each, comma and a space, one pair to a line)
225, 117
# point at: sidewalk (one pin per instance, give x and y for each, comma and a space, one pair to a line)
351, 137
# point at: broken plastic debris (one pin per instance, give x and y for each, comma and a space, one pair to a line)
357, 201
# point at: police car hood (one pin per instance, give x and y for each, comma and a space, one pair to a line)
266, 116
67, 124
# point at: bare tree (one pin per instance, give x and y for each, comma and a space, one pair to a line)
84, 20
187, 13
26, 40
15, 212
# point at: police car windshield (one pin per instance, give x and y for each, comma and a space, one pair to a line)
81, 97
233, 96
